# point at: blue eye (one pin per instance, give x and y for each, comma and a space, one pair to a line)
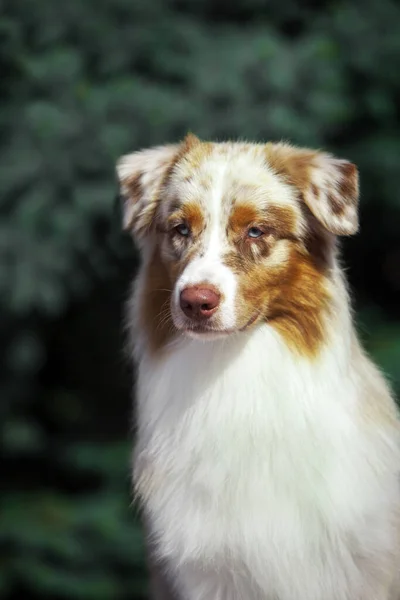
255, 232
183, 230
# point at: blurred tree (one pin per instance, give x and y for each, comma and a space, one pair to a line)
82, 83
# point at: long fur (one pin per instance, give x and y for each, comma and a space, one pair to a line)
267, 456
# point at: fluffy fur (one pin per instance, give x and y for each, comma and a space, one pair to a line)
267, 455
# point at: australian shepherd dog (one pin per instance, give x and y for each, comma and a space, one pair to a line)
267, 448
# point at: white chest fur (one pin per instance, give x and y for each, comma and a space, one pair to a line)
250, 457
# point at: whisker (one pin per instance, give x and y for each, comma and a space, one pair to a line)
164, 316
161, 290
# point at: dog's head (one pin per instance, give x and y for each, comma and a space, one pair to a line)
237, 234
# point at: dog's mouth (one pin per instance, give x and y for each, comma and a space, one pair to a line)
206, 330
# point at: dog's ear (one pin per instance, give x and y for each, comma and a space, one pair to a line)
327, 185
141, 175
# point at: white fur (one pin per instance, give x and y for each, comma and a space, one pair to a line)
257, 478
208, 267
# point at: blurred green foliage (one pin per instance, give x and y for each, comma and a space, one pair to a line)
82, 83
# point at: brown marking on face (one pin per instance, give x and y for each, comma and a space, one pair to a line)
237, 261
276, 223
299, 303
280, 219
189, 213
243, 215
179, 249
242, 248
292, 297
154, 308
193, 216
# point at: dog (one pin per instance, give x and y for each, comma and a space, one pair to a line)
267, 444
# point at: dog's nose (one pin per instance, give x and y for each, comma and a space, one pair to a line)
199, 303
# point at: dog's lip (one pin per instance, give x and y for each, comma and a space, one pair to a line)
204, 329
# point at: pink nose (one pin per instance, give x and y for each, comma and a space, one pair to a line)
199, 303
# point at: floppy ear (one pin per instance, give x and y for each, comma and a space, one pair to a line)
141, 175
327, 185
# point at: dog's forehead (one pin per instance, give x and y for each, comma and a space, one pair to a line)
219, 177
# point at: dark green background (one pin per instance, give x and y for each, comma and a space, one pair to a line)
83, 81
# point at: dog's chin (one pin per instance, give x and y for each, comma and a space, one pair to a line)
207, 335
205, 332
208, 332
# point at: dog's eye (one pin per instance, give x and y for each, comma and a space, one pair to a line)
183, 230
255, 232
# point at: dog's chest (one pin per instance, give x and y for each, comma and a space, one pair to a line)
239, 464
234, 450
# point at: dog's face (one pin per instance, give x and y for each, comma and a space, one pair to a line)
237, 234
